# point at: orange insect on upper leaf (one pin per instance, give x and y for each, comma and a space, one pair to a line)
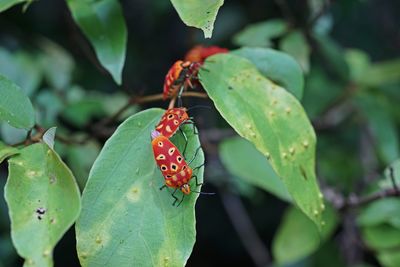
171, 120
199, 53
180, 74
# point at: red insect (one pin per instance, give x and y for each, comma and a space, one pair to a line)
172, 119
199, 53
177, 173
171, 122
179, 77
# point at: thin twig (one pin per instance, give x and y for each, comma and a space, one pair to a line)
142, 100
355, 201
245, 229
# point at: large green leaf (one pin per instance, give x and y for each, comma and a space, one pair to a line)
276, 66
272, 119
15, 107
261, 33
43, 201
103, 24
198, 13
297, 238
7, 151
126, 220
295, 44
242, 159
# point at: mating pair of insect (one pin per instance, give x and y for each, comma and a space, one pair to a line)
183, 73
172, 163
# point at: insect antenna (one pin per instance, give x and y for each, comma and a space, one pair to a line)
203, 193
199, 106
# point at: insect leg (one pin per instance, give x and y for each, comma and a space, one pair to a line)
186, 140
198, 167
162, 187
195, 155
180, 202
173, 195
197, 181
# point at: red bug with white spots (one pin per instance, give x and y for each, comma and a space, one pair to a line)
179, 77
199, 53
172, 120
177, 173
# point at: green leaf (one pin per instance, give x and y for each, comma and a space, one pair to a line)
15, 107
272, 119
381, 124
7, 151
103, 24
81, 112
261, 33
382, 73
5, 4
126, 220
358, 62
276, 66
80, 159
21, 68
389, 258
12, 135
198, 13
333, 57
43, 201
381, 211
392, 173
319, 86
297, 238
57, 64
295, 44
242, 159
381, 236
49, 105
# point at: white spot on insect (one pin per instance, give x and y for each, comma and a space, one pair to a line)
322, 206
271, 114
288, 110
284, 155
320, 195
323, 223
316, 212
292, 150
248, 126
